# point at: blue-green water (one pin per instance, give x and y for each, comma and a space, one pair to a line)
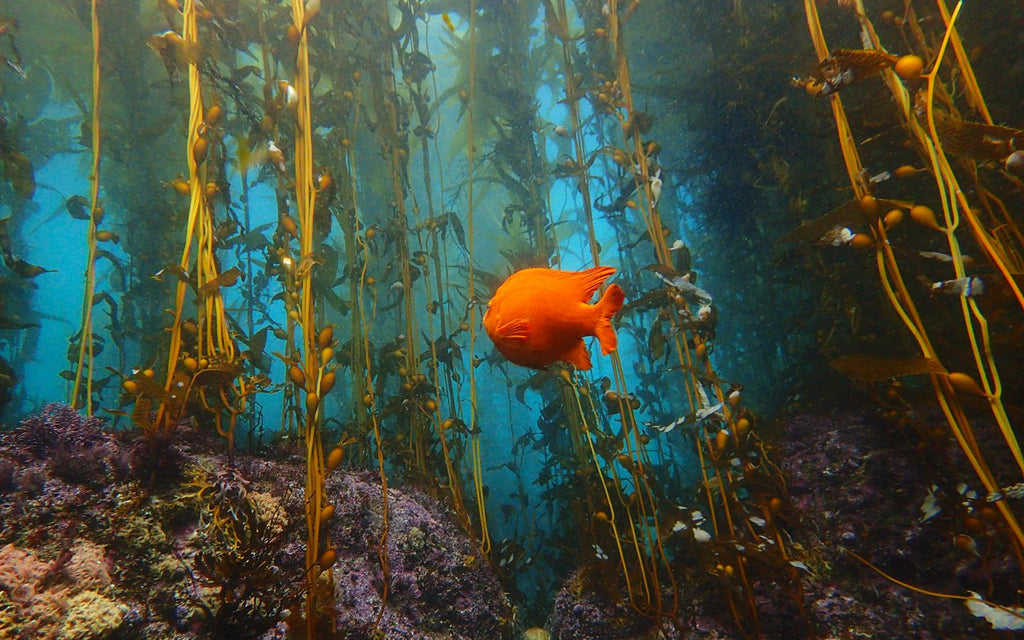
451, 147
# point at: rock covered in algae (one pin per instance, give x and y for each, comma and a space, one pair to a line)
854, 482
67, 550
26, 606
440, 585
92, 547
41, 599
91, 616
857, 484
55, 428
583, 611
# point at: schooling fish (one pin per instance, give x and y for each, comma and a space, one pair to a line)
540, 316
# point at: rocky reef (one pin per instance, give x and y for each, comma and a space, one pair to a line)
110, 536
581, 611
438, 582
855, 484
858, 484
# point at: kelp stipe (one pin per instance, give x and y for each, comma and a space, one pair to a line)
997, 235
624, 493
84, 366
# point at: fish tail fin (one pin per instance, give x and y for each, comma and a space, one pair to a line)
606, 307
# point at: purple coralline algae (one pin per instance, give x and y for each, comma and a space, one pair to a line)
91, 547
855, 484
55, 428
439, 584
582, 612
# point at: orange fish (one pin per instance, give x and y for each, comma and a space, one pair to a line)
539, 316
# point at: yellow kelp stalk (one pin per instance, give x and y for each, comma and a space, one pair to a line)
287, 228
354, 244
478, 481
645, 593
1005, 254
951, 195
627, 516
655, 557
361, 345
213, 367
320, 556
361, 356
442, 377
422, 402
728, 513
393, 144
1007, 240
955, 206
85, 341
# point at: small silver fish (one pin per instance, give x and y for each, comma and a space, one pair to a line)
707, 412
837, 82
945, 257
666, 428
935, 255
691, 292
967, 287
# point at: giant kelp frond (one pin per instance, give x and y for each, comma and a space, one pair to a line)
936, 132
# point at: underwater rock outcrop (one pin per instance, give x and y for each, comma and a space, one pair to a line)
439, 582
88, 549
582, 612
854, 487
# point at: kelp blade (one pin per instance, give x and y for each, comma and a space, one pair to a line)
874, 368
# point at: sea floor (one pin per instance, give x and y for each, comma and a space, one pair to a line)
114, 537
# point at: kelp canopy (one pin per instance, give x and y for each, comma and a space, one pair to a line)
290, 217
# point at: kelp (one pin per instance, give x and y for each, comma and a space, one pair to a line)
368, 280
865, 368
976, 140
848, 214
930, 124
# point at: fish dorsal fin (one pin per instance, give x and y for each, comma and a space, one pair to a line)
591, 279
578, 356
518, 329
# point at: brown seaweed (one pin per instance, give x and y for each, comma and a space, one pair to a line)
864, 368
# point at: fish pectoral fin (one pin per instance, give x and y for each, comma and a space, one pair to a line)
518, 329
578, 356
